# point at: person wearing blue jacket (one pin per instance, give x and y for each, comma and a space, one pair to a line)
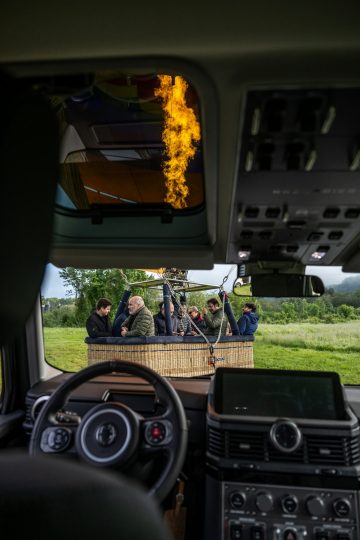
249, 320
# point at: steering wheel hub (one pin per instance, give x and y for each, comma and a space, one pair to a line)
108, 435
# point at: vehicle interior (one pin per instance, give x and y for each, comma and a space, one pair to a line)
163, 136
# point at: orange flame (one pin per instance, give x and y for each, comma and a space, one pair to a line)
181, 132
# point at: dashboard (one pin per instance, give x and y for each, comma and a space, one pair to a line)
280, 477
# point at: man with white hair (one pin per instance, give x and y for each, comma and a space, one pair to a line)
140, 321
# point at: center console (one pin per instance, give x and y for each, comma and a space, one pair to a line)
283, 457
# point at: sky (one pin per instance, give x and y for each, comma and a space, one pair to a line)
52, 286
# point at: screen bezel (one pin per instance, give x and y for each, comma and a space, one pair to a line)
339, 401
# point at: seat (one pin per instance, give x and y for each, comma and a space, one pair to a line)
42, 497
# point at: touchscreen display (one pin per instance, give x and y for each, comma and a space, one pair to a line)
294, 394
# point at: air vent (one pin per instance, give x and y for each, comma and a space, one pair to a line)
246, 235
255, 446
37, 406
327, 450
251, 212
335, 235
272, 213
352, 213
331, 213
32, 410
246, 445
309, 112
28, 418
274, 114
352, 450
315, 236
237, 444
334, 450
216, 442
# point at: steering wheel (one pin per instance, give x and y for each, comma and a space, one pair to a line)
111, 434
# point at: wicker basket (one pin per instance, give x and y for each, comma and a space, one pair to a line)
176, 359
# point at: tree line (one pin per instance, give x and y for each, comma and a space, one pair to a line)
85, 287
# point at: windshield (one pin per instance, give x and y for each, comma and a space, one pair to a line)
282, 333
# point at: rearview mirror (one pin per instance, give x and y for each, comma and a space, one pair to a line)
279, 285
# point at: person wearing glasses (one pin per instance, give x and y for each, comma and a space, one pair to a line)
198, 320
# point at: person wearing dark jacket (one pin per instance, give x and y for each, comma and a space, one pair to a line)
98, 323
249, 320
198, 320
159, 321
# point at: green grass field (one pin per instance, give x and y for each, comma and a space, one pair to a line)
325, 347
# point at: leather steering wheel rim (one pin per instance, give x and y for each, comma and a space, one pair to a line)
174, 411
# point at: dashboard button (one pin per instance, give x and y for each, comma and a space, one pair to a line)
342, 507
289, 504
290, 534
155, 433
236, 532
58, 439
257, 533
237, 499
322, 535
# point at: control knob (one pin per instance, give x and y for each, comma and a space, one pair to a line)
342, 507
264, 501
316, 506
289, 504
237, 499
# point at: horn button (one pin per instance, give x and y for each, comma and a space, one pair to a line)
108, 435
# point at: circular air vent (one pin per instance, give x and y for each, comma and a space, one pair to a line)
37, 406
285, 436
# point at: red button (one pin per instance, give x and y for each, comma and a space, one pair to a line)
155, 432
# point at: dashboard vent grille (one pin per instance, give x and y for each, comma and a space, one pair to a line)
246, 445
256, 446
333, 450
236, 444
352, 449
28, 418
216, 442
